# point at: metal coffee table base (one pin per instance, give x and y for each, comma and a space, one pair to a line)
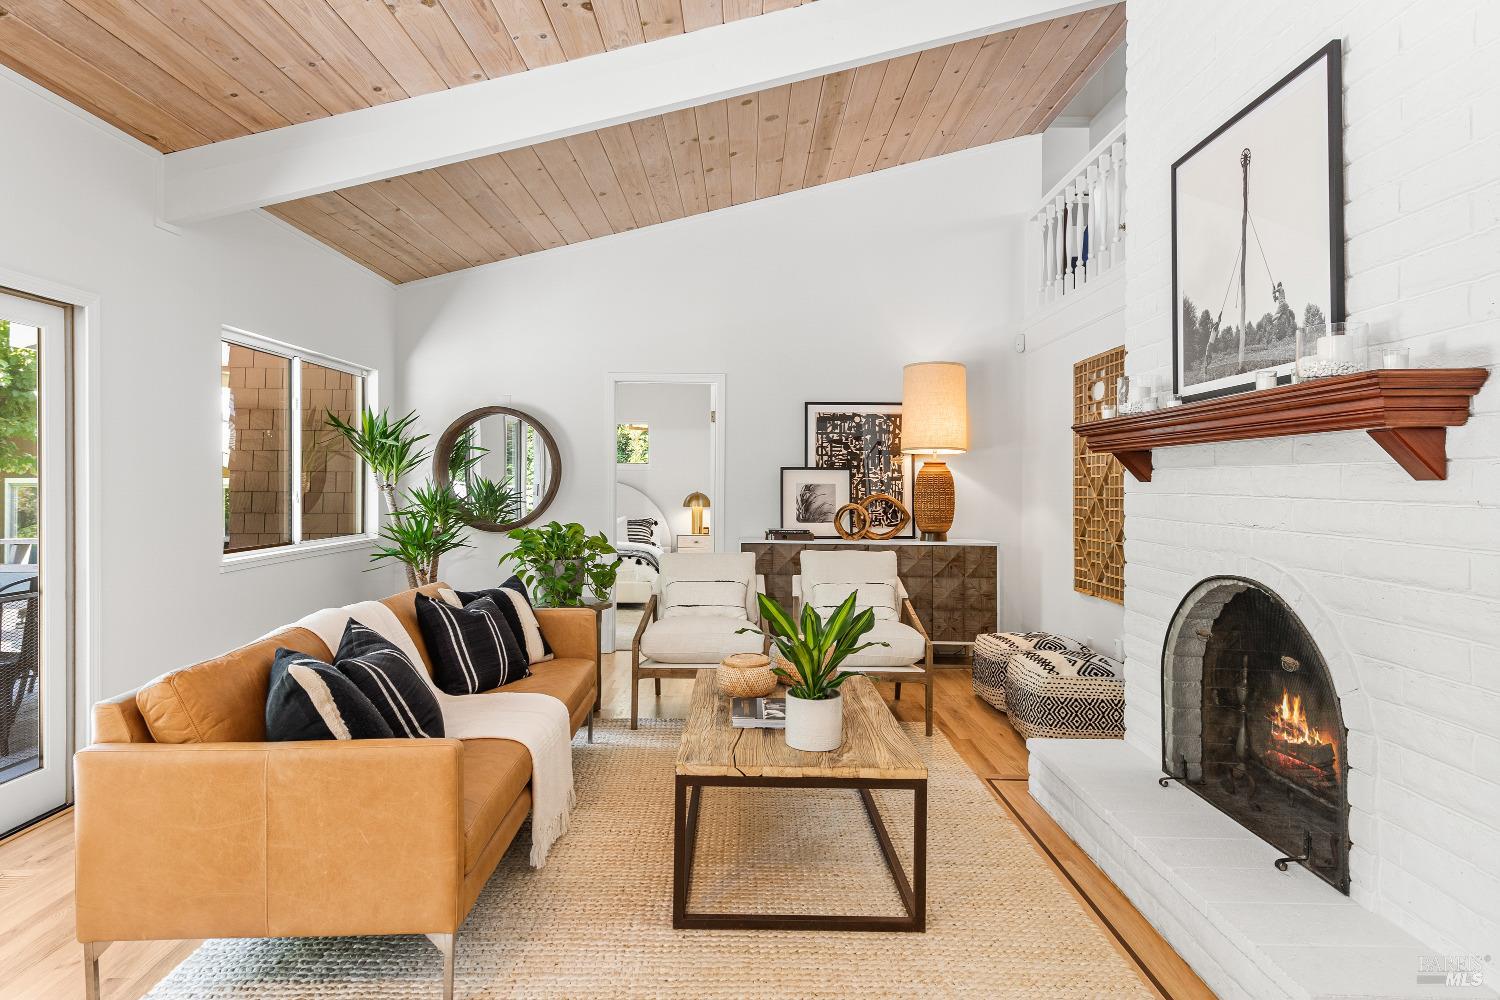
913, 892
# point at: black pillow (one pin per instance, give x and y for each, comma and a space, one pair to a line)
387, 677
310, 700
510, 598
472, 648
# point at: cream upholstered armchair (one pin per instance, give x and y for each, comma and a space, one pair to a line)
693, 619
828, 578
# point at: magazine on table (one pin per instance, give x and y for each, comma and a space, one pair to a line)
758, 713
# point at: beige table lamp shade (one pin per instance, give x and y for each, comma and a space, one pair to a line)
935, 409
934, 421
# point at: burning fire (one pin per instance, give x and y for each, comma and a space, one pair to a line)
1289, 723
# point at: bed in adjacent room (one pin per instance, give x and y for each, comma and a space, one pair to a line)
641, 537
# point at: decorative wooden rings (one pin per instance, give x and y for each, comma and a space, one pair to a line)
896, 528
861, 521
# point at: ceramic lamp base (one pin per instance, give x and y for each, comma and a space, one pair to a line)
933, 501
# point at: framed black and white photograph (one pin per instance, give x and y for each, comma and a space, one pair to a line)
1258, 233
811, 497
864, 438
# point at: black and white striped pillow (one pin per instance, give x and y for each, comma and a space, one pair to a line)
472, 648
537, 646
390, 680
641, 530
310, 700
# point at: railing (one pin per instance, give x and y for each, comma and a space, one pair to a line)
1079, 232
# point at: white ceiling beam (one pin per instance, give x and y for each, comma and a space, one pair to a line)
581, 95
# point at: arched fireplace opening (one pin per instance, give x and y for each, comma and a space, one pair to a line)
1251, 722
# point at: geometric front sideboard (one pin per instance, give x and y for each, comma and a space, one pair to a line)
953, 585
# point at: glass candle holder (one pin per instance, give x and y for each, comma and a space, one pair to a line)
1396, 359
1332, 349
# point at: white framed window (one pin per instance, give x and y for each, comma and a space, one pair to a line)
633, 444
290, 485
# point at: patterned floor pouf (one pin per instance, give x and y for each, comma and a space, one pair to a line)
1065, 695
992, 652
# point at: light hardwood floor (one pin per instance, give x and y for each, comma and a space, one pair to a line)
39, 959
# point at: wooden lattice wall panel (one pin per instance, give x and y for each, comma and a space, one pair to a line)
1098, 486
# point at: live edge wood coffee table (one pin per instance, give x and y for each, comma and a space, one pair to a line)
876, 754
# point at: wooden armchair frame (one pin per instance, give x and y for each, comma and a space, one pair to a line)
656, 670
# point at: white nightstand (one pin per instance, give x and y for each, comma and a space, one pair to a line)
695, 543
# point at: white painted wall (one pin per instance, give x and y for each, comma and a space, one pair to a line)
1078, 327
681, 446
1062, 147
816, 295
1399, 581
77, 200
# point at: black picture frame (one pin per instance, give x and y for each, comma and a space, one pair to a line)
837, 479
903, 463
1332, 54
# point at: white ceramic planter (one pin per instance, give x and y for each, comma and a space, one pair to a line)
814, 725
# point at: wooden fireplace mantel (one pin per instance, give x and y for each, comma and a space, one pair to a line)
1407, 412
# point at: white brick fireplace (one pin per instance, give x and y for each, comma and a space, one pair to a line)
1398, 581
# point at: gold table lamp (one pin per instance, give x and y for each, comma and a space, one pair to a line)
934, 421
698, 503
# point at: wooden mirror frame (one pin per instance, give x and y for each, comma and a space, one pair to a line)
450, 437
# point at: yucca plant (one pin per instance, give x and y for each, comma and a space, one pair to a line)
420, 531
815, 650
486, 500
387, 446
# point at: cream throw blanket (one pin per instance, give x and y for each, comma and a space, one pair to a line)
539, 722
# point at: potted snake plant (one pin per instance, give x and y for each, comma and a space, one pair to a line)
809, 654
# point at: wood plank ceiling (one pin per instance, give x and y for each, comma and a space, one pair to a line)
180, 73
183, 73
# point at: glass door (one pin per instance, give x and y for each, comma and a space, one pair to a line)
35, 676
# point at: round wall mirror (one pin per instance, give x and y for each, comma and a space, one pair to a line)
502, 463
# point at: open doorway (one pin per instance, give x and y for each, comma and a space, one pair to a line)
667, 433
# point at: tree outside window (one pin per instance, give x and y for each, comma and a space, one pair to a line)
632, 444
18, 428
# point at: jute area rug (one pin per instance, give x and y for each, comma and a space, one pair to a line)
597, 920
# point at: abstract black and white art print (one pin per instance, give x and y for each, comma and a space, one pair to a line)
864, 438
811, 497
1258, 233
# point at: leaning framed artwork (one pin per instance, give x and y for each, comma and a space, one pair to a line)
864, 438
811, 498
1258, 233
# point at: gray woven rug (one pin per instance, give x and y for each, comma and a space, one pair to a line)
596, 922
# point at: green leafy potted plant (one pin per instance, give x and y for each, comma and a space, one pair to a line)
808, 661
559, 563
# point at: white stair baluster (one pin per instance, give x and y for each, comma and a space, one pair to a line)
1043, 269
1117, 235
1104, 212
1059, 250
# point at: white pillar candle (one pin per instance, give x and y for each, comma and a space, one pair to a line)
1335, 348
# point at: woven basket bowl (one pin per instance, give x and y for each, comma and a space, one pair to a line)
746, 675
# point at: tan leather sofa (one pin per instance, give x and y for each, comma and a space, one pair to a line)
190, 825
